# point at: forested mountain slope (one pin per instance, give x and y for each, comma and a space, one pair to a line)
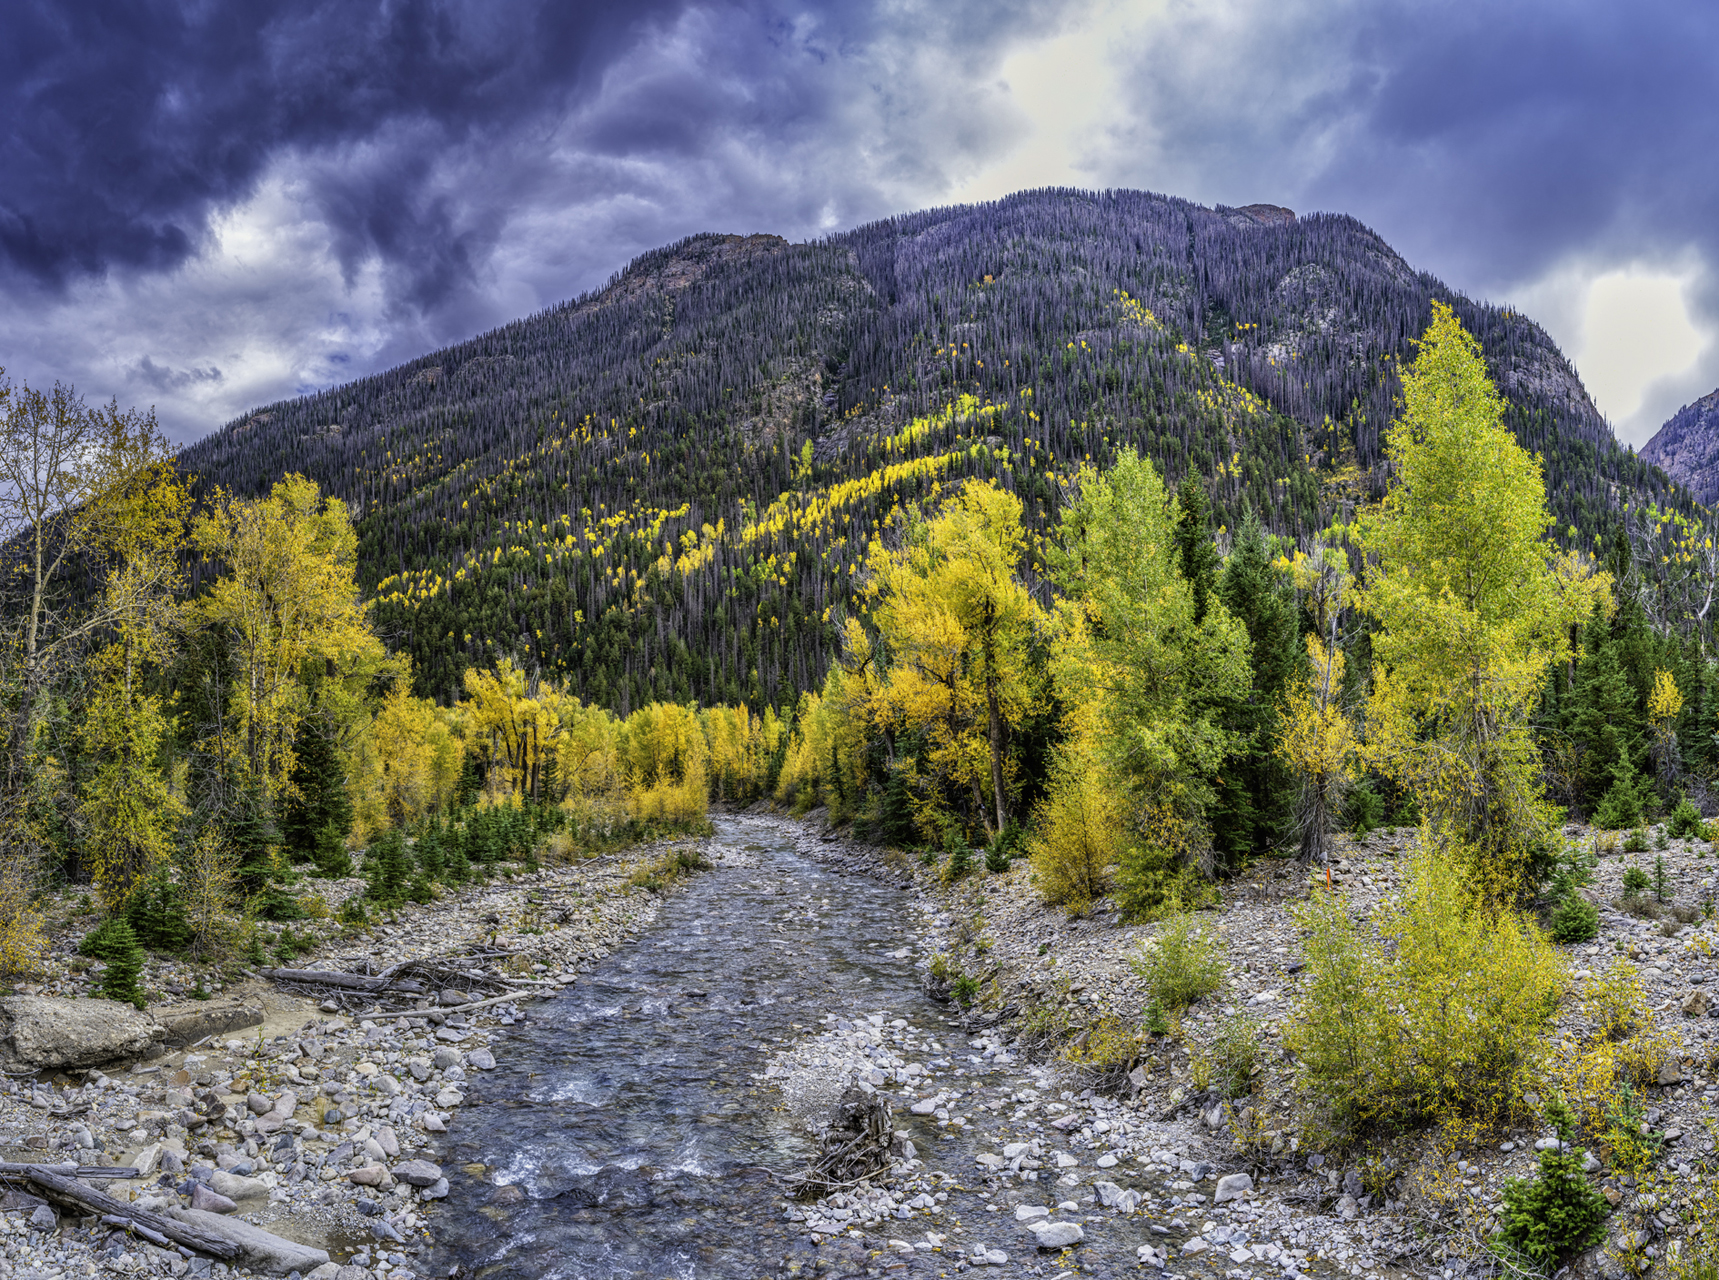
1687, 447
664, 489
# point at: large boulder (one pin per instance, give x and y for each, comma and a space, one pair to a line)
43, 1032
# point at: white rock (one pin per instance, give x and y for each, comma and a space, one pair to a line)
1233, 1187
1056, 1235
1030, 1212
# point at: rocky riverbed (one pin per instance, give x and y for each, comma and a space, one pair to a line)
1225, 1189
357, 1136
323, 1128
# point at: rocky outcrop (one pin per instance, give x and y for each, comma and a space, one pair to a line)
1687, 447
42, 1032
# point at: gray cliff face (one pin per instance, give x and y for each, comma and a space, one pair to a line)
1687, 447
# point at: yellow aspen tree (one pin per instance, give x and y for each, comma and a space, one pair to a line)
954, 625
130, 813
1318, 737
287, 596
1472, 603
1664, 705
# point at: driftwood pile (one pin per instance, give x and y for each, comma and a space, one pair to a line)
410, 981
854, 1146
58, 1183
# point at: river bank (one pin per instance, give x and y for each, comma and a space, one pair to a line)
298, 1115
646, 1115
1161, 1146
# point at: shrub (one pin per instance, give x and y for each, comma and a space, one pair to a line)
1685, 821
1635, 841
117, 946
1622, 1048
1635, 880
1005, 846
1660, 885
22, 943
1079, 833
1632, 1146
964, 990
1364, 810
352, 911
1180, 964
1446, 1019
1228, 1062
1575, 920
1554, 1214
1105, 1053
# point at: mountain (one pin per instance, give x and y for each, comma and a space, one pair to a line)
1686, 448
665, 488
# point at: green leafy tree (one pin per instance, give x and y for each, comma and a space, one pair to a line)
1143, 680
1472, 604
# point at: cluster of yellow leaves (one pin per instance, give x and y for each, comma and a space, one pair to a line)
1443, 1015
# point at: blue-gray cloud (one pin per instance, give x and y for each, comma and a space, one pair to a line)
454, 163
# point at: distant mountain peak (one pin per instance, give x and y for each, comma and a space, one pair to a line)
1686, 448
1260, 215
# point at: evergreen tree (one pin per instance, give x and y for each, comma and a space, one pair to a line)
1603, 721
320, 797
260, 872
1256, 792
388, 868
116, 945
156, 913
1196, 553
330, 854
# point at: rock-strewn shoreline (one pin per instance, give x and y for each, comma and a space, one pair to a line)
1165, 1152
316, 1125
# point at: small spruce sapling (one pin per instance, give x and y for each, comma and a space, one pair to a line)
116, 945
1558, 1212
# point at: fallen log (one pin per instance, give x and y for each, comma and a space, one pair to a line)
68, 1170
346, 981
64, 1191
458, 1008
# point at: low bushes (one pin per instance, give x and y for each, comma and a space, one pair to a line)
1445, 1017
1180, 964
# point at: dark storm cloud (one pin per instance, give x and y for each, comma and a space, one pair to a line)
127, 124
1490, 143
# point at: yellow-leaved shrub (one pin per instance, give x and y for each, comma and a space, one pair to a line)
1620, 1046
22, 944
1078, 837
1440, 1011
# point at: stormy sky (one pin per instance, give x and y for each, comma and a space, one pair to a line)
208, 205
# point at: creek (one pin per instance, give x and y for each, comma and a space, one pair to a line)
625, 1132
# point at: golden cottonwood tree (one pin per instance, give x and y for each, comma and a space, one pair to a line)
1318, 737
1472, 604
417, 758
954, 625
130, 812
286, 598
515, 719
1141, 674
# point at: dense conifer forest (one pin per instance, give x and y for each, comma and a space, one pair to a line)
665, 489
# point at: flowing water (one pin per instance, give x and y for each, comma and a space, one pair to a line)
621, 1133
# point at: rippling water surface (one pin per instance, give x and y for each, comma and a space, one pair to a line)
621, 1134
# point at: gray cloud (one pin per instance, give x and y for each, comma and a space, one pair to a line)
288, 195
